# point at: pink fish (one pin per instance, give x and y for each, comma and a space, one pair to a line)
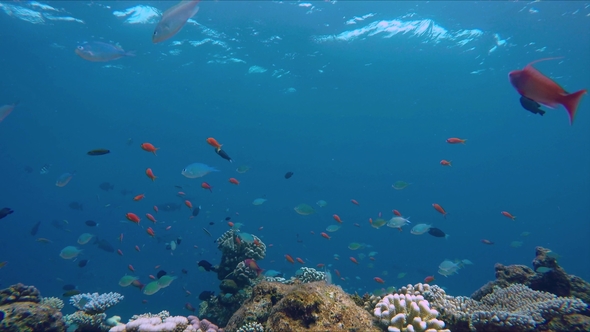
6, 110
174, 19
101, 52
532, 84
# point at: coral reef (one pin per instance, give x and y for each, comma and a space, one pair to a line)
53, 302
236, 247
251, 327
408, 313
555, 280
91, 307
514, 308
21, 310
303, 275
164, 322
95, 303
314, 306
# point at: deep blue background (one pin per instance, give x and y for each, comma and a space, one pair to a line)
380, 112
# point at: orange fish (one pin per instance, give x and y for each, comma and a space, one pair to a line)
230, 224
188, 203
149, 148
324, 235
180, 193
454, 140
205, 185
213, 142
238, 241
337, 273
152, 277
337, 218
131, 268
256, 242
151, 218
371, 221
484, 241
150, 174
137, 248
300, 260
151, 232
508, 215
320, 265
234, 181
352, 259
138, 197
532, 84
396, 212
429, 279
445, 163
156, 209
121, 238
440, 209
119, 252
156, 267
379, 280
133, 217
353, 201
290, 259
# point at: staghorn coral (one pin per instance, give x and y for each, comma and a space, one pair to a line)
87, 322
95, 303
52, 302
409, 313
515, 308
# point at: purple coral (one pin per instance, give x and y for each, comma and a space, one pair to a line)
204, 324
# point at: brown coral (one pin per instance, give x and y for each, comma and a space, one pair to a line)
30, 317
313, 306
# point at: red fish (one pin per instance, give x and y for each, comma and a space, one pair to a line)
205, 185
152, 277
353, 201
484, 241
320, 265
149, 148
137, 248
337, 273
508, 215
188, 203
429, 279
379, 280
230, 224
119, 252
138, 197
151, 232
324, 235
290, 259
337, 218
180, 194
445, 163
156, 209
150, 174
234, 181
352, 259
454, 140
532, 84
213, 142
253, 265
300, 260
151, 218
131, 268
133, 217
396, 212
440, 209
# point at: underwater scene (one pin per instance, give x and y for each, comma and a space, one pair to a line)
249, 166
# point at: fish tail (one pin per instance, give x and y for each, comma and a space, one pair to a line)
130, 53
571, 101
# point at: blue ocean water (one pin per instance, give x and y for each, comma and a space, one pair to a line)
350, 96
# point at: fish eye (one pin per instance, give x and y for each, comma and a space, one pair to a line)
80, 48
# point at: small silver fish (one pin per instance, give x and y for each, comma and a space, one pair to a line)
101, 52
174, 19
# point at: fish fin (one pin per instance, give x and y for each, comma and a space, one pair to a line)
130, 53
545, 59
541, 112
571, 101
